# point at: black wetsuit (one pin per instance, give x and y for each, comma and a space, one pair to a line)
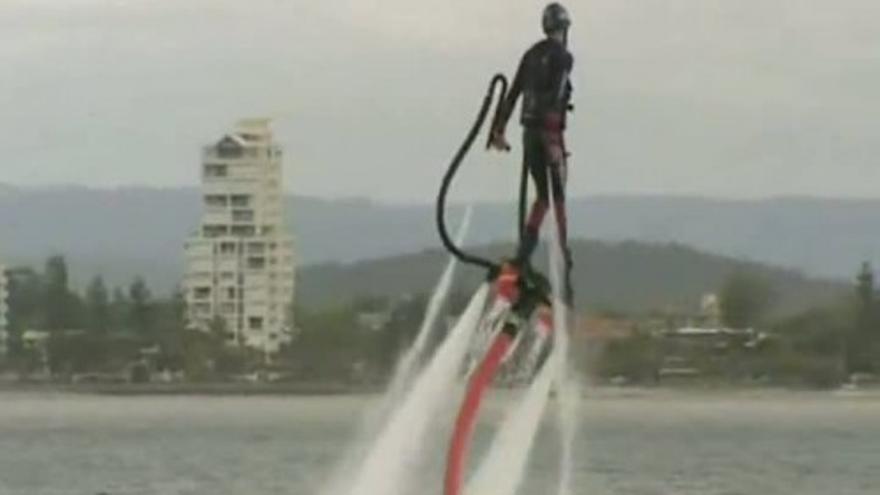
543, 81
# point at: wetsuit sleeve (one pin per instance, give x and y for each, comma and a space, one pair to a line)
509, 103
567, 89
562, 84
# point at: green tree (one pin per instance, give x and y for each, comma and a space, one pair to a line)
77, 353
635, 358
745, 300
119, 310
819, 332
861, 337
329, 345
141, 311
401, 331
176, 315
25, 307
98, 307
218, 328
170, 328
59, 302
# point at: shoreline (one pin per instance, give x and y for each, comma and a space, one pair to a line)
191, 389
338, 389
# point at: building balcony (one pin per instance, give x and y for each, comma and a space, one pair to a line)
243, 216
213, 230
243, 231
212, 152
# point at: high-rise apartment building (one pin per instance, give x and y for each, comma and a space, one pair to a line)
240, 262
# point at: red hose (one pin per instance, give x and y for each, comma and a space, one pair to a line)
467, 414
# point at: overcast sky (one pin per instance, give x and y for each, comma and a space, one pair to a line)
733, 98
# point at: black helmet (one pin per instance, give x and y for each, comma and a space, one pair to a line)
555, 18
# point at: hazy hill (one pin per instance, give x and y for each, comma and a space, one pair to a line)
123, 232
621, 276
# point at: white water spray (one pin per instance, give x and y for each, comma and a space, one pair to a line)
490, 325
568, 393
403, 372
542, 333
504, 467
385, 470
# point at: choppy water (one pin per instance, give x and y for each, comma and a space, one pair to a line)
653, 444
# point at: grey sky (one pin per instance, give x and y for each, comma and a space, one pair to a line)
734, 98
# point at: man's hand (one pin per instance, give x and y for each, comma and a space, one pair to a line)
498, 141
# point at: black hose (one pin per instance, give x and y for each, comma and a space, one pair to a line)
523, 199
464, 257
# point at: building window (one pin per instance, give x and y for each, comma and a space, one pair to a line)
215, 230
216, 200
230, 292
255, 323
202, 292
256, 248
240, 200
229, 148
268, 230
201, 308
227, 275
214, 170
243, 230
227, 248
256, 263
243, 215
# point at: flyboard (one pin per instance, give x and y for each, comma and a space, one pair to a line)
521, 301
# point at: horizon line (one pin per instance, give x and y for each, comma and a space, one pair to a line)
408, 202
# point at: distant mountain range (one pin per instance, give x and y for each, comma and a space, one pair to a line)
128, 231
628, 276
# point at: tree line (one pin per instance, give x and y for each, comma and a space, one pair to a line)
110, 329
44, 301
822, 346
102, 329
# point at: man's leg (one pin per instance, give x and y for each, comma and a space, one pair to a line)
558, 171
557, 177
534, 158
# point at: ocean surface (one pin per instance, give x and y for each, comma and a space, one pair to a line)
634, 443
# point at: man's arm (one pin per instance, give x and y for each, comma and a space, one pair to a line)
499, 125
561, 81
